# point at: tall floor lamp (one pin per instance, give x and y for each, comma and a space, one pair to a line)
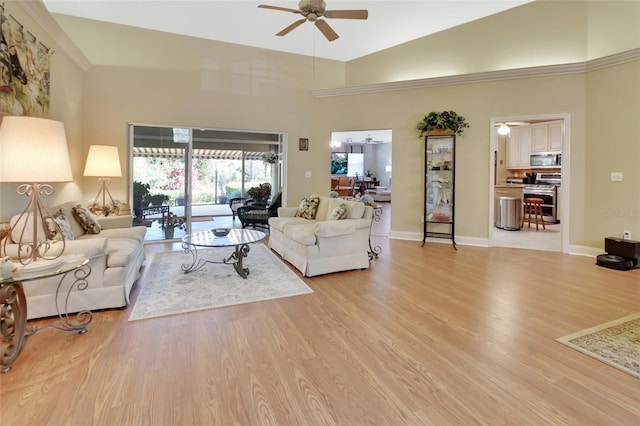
103, 162
33, 150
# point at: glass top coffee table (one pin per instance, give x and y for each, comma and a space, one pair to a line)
238, 238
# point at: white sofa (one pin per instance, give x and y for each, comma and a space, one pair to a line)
115, 257
379, 193
322, 246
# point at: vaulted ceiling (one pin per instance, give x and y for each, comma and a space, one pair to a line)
389, 23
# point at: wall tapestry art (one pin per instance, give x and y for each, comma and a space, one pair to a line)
24, 64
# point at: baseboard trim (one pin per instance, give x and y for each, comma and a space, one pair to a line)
576, 250
585, 251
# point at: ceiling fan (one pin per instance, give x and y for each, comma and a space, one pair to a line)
313, 10
366, 141
369, 141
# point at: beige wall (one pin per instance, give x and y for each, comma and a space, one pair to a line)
157, 80
66, 106
613, 145
535, 34
613, 27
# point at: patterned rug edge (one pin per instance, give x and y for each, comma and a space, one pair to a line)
567, 341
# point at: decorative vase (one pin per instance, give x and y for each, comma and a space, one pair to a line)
437, 131
168, 232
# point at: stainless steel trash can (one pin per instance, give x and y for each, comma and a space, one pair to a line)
508, 213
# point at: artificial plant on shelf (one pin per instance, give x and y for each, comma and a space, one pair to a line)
444, 120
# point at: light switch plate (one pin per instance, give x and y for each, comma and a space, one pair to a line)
616, 176
307, 175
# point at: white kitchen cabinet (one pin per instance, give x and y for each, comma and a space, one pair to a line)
555, 136
519, 148
546, 137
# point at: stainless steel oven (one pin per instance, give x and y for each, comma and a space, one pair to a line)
549, 196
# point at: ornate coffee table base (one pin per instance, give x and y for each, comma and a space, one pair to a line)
13, 316
235, 259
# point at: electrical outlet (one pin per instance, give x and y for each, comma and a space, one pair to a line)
626, 234
616, 176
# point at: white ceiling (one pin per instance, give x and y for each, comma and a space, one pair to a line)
390, 23
360, 136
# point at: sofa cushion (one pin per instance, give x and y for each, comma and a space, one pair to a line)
135, 233
355, 209
303, 234
86, 219
329, 229
308, 207
282, 222
340, 212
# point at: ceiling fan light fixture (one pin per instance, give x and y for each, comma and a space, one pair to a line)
504, 129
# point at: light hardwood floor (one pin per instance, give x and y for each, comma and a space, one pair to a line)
425, 336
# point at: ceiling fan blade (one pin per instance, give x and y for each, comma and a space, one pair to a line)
326, 30
291, 27
284, 9
346, 14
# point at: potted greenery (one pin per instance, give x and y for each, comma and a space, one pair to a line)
260, 193
171, 222
140, 197
441, 122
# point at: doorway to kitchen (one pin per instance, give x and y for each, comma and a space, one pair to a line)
530, 155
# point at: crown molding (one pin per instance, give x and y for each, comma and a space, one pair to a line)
38, 11
542, 71
613, 60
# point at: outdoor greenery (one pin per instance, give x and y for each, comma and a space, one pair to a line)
212, 179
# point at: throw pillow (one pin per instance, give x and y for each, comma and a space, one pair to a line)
64, 226
87, 220
338, 213
308, 208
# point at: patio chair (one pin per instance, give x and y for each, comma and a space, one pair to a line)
256, 215
237, 202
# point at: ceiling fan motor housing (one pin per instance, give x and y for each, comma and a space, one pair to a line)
312, 9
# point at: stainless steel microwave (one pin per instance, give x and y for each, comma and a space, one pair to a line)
541, 160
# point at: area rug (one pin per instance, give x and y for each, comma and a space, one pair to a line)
616, 343
167, 290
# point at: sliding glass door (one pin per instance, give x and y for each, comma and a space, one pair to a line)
187, 176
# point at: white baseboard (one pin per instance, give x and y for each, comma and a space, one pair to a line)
585, 251
484, 242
